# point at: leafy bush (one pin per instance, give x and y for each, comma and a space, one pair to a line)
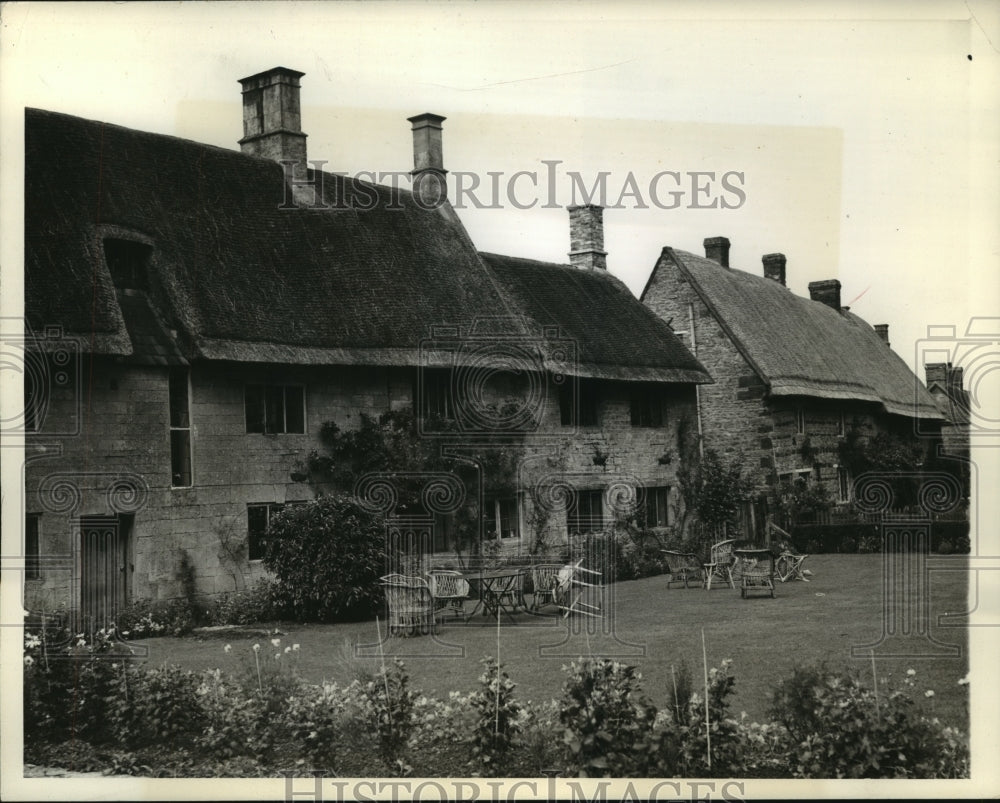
143, 618
681, 748
838, 728
390, 710
497, 717
155, 705
604, 719
262, 602
69, 683
327, 556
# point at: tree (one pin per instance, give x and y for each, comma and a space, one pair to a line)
713, 489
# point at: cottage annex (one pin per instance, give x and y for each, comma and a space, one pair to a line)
193, 331
794, 376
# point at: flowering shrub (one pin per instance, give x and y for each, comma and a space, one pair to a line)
155, 705
497, 712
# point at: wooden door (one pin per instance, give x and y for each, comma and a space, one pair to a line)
105, 569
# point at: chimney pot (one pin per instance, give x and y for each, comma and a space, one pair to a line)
882, 330
826, 292
429, 183
717, 249
586, 237
272, 118
774, 267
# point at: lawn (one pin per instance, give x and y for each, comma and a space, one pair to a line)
659, 629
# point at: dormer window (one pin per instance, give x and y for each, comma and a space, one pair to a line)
127, 261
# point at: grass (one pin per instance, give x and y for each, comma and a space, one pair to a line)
659, 628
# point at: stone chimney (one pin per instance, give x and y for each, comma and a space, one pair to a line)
826, 292
951, 378
429, 185
586, 237
774, 267
882, 330
272, 120
717, 249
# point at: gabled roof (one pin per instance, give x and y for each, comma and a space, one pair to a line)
798, 346
614, 336
233, 276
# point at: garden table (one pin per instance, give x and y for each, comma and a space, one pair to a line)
499, 590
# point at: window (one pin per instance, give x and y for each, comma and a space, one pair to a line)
258, 520
275, 408
180, 429
646, 407
587, 514
437, 395
32, 567
127, 260
579, 397
801, 476
800, 421
31, 403
841, 424
500, 517
657, 511
843, 484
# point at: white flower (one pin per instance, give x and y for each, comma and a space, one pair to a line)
911, 672
275, 642
256, 648
288, 650
929, 693
295, 647
963, 681
28, 660
277, 655
228, 648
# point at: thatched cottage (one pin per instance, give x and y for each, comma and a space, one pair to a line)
196, 315
796, 378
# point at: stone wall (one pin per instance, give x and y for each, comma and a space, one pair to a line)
125, 433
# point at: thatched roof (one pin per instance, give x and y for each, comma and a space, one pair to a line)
798, 346
614, 335
232, 276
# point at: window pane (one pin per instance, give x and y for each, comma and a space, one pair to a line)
589, 397
490, 518
31, 549
566, 393
254, 405
274, 408
294, 409
508, 518
179, 398
256, 529
180, 457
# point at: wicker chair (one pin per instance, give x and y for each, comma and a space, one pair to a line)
756, 572
720, 564
789, 567
449, 590
545, 581
682, 567
411, 605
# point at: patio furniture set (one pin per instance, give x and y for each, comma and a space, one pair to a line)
754, 569
417, 603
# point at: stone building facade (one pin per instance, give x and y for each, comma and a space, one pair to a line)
794, 377
237, 305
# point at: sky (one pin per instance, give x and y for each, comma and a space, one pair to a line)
865, 136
